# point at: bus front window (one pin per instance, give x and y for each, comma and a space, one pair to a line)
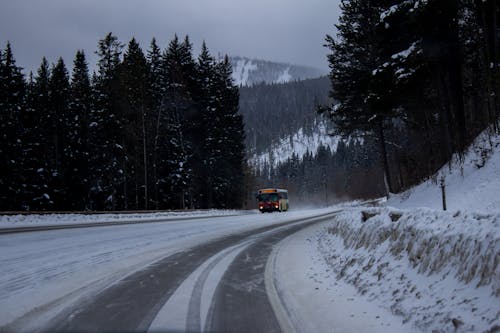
267, 197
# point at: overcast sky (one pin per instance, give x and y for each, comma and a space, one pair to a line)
289, 31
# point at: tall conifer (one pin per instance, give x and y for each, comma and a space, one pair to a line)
78, 145
12, 91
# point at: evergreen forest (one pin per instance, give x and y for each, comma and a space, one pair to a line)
274, 111
147, 130
411, 83
420, 78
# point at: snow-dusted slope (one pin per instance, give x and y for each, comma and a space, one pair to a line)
471, 184
438, 270
251, 71
298, 144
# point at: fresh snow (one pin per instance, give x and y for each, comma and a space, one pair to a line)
285, 76
241, 70
44, 272
404, 265
471, 184
405, 53
316, 299
437, 271
247, 72
31, 220
298, 144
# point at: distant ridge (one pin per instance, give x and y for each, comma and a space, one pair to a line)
248, 72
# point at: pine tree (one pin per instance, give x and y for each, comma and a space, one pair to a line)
78, 145
58, 132
134, 73
177, 172
230, 140
12, 91
158, 118
207, 146
360, 85
38, 144
108, 151
155, 93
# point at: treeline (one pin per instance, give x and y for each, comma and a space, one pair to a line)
159, 130
277, 111
328, 175
421, 77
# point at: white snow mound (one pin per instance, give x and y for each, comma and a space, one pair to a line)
438, 270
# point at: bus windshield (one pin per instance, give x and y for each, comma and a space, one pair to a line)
268, 197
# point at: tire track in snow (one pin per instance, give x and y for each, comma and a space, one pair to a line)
242, 301
133, 303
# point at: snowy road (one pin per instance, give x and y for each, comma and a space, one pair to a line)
149, 276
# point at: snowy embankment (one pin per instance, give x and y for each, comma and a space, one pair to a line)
438, 270
472, 183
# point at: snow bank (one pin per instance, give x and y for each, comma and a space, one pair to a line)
472, 184
30, 220
438, 270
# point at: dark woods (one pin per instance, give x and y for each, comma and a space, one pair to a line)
421, 78
275, 114
159, 130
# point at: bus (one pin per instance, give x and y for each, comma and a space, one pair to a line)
272, 199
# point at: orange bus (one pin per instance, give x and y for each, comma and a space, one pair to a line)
272, 199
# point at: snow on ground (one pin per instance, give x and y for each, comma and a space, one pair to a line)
368, 269
315, 300
42, 272
436, 270
298, 144
30, 220
473, 184
285, 76
241, 71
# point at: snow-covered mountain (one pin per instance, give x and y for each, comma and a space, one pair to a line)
297, 143
252, 71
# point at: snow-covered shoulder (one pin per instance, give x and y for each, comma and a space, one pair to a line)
30, 220
437, 270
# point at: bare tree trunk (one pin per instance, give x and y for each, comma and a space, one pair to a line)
385, 160
145, 159
155, 157
125, 194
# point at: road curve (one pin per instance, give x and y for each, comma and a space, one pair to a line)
171, 294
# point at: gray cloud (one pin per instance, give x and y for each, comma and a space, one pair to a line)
281, 30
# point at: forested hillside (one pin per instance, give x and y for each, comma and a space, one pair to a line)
277, 111
159, 130
411, 83
289, 145
421, 78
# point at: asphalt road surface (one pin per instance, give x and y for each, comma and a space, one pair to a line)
218, 286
